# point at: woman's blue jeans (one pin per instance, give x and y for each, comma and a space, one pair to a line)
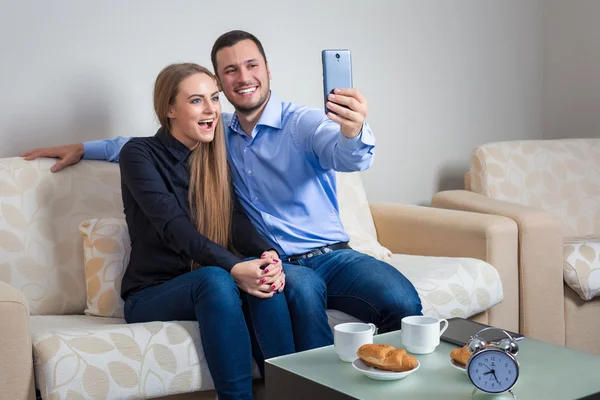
234, 326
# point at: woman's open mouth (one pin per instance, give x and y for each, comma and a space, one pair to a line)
206, 124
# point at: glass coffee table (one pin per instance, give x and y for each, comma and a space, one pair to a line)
546, 372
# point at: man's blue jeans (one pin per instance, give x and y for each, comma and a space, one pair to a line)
234, 326
348, 281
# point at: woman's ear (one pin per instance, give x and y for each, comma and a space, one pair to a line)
171, 114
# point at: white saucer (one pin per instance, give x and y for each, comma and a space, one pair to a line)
379, 374
458, 366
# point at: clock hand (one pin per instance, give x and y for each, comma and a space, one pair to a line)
494, 373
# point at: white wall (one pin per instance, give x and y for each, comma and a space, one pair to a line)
571, 101
440, 77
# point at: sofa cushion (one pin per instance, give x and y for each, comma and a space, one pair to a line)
581, 269
91, 357
99, 357
40, 212
356, 216
451, 287
106, 250
558, 176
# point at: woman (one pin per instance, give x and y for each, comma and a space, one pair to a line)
182, 219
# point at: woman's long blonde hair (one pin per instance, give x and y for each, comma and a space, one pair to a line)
209, 193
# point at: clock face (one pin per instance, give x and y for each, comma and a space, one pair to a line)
493, 370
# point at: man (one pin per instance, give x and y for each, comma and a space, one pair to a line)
283, 159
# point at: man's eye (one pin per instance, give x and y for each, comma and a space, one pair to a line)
229, 71
253, 65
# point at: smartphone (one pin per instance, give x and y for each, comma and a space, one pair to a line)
460, 331
337, 72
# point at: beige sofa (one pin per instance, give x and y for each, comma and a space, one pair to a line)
47, 336
551, 189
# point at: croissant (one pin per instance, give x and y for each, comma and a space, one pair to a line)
386, 357
461, 355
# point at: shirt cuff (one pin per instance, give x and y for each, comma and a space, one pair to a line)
364, 138
95, 150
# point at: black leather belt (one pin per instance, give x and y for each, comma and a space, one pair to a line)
319, 251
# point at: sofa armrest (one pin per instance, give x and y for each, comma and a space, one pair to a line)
430, 231
16, 360
540, 260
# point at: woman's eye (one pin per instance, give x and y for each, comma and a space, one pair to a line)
195, 101
216, 98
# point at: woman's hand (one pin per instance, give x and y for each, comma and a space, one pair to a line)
277, 282
253, 280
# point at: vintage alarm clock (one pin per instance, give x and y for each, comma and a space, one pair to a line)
493, 368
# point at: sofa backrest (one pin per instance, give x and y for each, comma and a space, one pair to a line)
558, 176
41, 249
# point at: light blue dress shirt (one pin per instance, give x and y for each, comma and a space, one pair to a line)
284, 174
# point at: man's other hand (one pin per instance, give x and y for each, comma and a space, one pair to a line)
68, 155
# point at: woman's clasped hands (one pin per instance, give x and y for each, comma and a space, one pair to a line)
262, 277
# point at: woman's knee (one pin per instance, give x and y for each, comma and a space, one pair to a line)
215, 285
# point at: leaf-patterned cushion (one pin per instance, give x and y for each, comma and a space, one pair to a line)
106, 250
356, 216
451, 287
558, 176
581, 269
40, 246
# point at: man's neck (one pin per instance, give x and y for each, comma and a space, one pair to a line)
248, 120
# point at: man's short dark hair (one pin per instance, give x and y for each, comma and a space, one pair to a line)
229, 39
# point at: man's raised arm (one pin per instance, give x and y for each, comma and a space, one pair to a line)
70, 154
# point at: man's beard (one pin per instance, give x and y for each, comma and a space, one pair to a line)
250, 109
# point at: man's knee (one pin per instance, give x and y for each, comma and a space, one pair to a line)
402, 305
304, 287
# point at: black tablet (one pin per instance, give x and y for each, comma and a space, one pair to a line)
460, 331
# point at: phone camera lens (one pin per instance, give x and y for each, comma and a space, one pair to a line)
337, 55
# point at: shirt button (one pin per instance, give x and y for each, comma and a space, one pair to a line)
255, 198
280, 237
249, 172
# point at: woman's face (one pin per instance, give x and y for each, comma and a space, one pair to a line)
196, 111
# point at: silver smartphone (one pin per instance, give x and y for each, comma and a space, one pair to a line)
337, 72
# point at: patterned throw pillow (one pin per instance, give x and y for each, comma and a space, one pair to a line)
106, 249
357, 218
581, 269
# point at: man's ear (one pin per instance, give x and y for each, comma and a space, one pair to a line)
219, 86
268, 70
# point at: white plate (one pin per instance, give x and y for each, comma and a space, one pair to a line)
458, 366
379, 374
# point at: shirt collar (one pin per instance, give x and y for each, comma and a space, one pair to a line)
174, 146
271, 116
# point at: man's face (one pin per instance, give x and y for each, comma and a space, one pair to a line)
244, 76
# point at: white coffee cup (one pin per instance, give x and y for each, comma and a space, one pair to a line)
420, 334
348, 337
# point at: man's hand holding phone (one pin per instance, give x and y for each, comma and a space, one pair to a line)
352, 116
